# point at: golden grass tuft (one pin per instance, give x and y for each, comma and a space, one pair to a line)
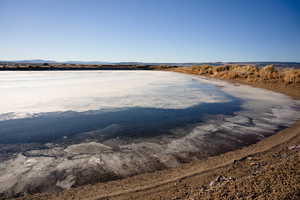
247, 72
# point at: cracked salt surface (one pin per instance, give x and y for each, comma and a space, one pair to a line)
193, 116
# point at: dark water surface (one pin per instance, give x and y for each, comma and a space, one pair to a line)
131, 122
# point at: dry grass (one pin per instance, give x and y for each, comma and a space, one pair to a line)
251, 73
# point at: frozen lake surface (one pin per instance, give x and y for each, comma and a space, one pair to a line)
48, 106
66, 128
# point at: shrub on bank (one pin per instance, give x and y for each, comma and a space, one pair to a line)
249, 72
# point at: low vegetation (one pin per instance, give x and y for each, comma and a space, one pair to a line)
249, 73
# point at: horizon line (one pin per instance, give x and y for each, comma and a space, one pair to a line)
91, 61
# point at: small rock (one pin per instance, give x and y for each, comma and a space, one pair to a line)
249, 158
219, 179
294, 147
212, 183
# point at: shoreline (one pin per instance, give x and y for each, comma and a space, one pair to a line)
128, 187
137, 186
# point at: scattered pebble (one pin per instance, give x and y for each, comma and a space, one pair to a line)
294, 147
219, 180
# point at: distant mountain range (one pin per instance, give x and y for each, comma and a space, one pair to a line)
40, 61
37, 61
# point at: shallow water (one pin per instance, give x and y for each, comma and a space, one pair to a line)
61, 129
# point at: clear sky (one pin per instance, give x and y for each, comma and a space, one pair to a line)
150, 30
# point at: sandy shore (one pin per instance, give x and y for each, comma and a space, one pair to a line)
269, 169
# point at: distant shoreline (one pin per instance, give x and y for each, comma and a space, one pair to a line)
146, 66
72, 67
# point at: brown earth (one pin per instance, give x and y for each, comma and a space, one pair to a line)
269, 169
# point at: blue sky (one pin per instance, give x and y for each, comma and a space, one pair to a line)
150, 30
